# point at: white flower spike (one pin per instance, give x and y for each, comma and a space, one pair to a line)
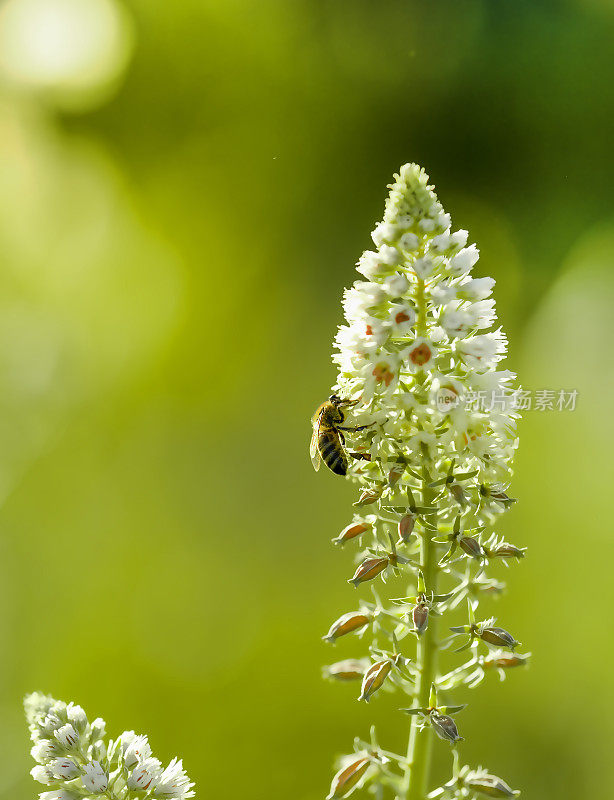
73, 757
430, 421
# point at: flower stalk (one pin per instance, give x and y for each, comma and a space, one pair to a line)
432, 470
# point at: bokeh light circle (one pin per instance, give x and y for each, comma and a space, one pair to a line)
72, 51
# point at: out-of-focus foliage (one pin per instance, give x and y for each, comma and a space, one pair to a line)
178, 217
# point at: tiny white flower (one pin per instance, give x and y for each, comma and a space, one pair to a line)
94, 778
402, 317
437, 334
442, 294
476, 288
384, 232
409, 242
64, 768
482, 352
464, 260
67, 736
444, 221
43, 775
77, 717
44, 750
423, 440
381, 370
482, 313
405, 221
420, 355
427, 225
456, 322
361, 338
174, 783
371, 265
362, 297
458, 240
396, 285
439, 244
423, 267
389, 255
134, 748
144, 777
98, 728
59, 794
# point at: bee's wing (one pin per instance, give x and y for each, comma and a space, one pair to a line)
313, 447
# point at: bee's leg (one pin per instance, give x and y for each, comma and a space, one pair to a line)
359, 456
341, 436
355, 427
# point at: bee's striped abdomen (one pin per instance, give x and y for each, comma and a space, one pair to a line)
332, 453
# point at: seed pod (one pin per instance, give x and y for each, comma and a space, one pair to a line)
489, 785
499, 637
458, 493
420, 617
346, 780
406, 526
505, 661
348, 623
506, 550
369, 496
444, 727
351, 669
470, 546
369, 569
395, 474
351, 531
374, 678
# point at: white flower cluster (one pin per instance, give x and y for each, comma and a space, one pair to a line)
75, 760
418, 342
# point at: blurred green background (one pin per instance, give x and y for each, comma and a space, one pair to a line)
185, 188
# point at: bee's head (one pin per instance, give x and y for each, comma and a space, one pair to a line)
335, 399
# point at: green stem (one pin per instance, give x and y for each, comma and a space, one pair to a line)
419, 747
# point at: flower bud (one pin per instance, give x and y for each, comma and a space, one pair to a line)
499, 637
44, 751
395, 474
143, 776
458, 493
348, 623
346, 780
98, 728
369, 496
64, 768
94, 778
420, 617
470, 546
374, 678
43, 775
506, 550
406, 526
67, 736
349, 670
445, 727
488, 785
77, 717
369, 569
351, 531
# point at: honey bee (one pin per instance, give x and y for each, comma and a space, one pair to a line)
327, 441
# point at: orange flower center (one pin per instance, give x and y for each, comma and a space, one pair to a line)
402, 316
420, 355
382, 372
